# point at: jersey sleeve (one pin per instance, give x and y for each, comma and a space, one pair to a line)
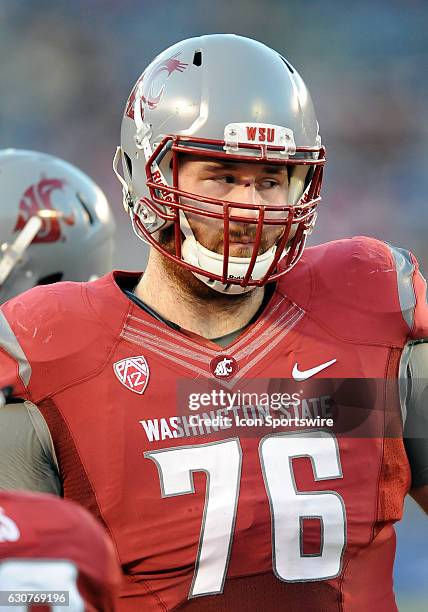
416, 421
420, 323
15, 369
412, 292
27, 456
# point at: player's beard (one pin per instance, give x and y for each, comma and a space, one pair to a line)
187, 281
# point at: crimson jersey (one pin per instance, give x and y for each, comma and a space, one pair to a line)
203, 517
50, 544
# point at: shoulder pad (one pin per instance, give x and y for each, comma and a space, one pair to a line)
51, 337
360, 288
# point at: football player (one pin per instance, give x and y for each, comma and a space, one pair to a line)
54, 551
55, 223
222, 169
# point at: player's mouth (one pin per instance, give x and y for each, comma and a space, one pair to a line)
242, 240
243, 243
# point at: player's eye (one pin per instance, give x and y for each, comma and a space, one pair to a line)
229, 179
267, 184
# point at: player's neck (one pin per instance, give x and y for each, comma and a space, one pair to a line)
209, 316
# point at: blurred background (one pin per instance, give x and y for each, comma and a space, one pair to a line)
67, 69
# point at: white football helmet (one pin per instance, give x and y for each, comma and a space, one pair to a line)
227, 98
55, 223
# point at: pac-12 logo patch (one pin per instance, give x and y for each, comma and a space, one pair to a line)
133, 373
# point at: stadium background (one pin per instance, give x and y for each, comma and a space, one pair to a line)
67, 68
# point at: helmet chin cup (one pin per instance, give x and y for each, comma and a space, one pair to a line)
194, 253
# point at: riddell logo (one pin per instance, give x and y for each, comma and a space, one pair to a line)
261, 134
36, 198
153, 85
133, 373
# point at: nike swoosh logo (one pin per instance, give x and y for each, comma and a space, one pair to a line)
304, 374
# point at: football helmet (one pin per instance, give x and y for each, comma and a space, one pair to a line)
234, 100
55, 223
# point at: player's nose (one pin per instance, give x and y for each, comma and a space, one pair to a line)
246, 194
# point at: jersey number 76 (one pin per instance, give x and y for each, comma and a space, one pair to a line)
221, 461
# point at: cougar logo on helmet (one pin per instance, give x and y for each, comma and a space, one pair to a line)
153, 85
36, 198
